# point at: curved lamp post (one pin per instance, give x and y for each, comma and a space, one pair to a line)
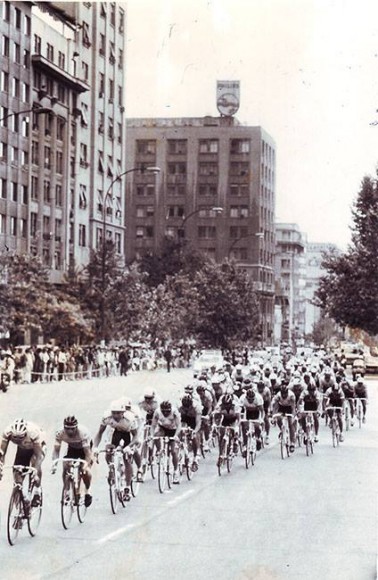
216, 209
259, 235
108, 194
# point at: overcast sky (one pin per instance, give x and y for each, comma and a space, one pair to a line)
308, 72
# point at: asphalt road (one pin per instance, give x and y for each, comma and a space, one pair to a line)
301, 518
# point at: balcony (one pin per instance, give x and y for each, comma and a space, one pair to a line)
51, 69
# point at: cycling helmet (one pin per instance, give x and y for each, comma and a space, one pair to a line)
70, 422
149, 394
247, 383
227, 400
166, 406
250, 394
187, 400
189, 389
127, 402
18, 428
117, 407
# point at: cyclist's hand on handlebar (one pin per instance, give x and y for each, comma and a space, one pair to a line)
95, 454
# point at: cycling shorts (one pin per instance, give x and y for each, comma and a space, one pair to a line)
189, 421
311, 407
73, 453
165, 432
285, 409
252, 414
228, 421
119, 436
23, 456
205, 411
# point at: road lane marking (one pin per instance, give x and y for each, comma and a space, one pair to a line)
181, 497
116, 533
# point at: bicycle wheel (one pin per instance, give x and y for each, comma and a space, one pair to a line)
135, 484
221, 457
248, 452
188, 466
308, 441
35, 513
282, 445
169, 470
67, 504
152, 463
162, 469
359, 414
15, 513
334, 435
347, 416
81, 510
253, 451
230, 456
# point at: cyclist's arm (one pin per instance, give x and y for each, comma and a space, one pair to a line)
178, 428
135, 438
198, 422
97, 439
56, 451
260, 409
3, 449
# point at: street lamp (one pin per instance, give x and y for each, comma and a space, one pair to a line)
108, 194
181, 231
259, 235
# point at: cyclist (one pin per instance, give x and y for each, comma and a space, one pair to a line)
79, 444
166, 422
348, 390
253, 405
191, 412
207, 408
31, 447
125, 429
326, 380
360, 390
149, 404
264, 391
310, 401
334, 397
284, 402
228, 410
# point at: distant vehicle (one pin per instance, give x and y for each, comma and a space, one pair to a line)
207, 359
371, 364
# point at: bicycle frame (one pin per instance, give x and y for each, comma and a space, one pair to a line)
20, 503
310, 433
72, 491
250, 435
359, 409
334, 424
186, 452
116, 476
284, 433
164, 461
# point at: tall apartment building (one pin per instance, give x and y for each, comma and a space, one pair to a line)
207, 165
56, 167
314, 257
290, 272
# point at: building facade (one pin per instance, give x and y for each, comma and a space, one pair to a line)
61, 134
290, 275
216, 188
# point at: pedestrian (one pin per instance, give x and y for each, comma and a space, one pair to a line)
168, 358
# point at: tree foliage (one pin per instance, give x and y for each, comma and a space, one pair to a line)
348, 292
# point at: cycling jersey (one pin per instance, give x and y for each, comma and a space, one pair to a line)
192, 411
360, 391
149, 407
309, 401
257, 402
78, 440
172, 421
126, 424
34, 438
335, 398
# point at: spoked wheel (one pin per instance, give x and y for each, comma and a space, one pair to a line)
347, 418
230, 456
188, 466
169, 470
135, 484
15, 513
67, 504
282, 445
152, 463
113, 496
248, 453
221, 459
81, 510
35, 513
162, 471
253, 452
308, 443
359, 416
335, 436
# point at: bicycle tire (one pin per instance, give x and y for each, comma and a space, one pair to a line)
162, 479
35, 514
81, 510
334, 435
347, 417
230, 455
135, 484
67, 504
169, 470
248, 452
144, 459
221, 461
15, 511
282, 445
152, 465
113, 496
359, 416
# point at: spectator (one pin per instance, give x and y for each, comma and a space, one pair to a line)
168, 358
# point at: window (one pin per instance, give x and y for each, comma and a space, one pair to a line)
239, 211
60, 124
82, 235
208, 169
13, 226
177, 146
117, 241
239, 190
101, 167
101, 122
16, 53
3, 188
37, 79
120, 95
24, 194
33, 224
17, 18
5, 46
2, 224
25, 94
103, 9
84, 115
83, 197
112, 56
61, 60
119, 132
23, 228
83, 154
101, 88
238, 146
85, 32
6, 11
59, 162
26, 59
208, 146
240, 169
176, 168
112, 13
176, 211
37, 44
102, 49
14, 154
144, 147
237, 232
3, 151
3, 116
50, 52
58, 195
207, 232
121, 25
35, 153
4, 81
14, 191
34, 187
47, 158
111, 90
27, 25
85, 70
15, 87
15, 122
120, 58
46, 191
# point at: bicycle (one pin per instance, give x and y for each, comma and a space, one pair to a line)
21, 504
226, 449
186, 452
73, 492
347, 413
334, 425
310, 432
164, 462
250, 447
148, 453
116, 477
284, 434
359, 410
135, 480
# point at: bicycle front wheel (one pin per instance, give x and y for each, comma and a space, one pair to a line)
221, 458
248, 453
162, 471
35, 513
113, 496
15, 512
81, 510
67, 504
230, 456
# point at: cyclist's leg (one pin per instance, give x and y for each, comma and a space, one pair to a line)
363, 401
291, 432
23, 457
316, 424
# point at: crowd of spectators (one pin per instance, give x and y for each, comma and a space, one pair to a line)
57, 363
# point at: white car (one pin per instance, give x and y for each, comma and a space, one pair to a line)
207, 359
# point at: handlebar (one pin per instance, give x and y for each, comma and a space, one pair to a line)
21, 468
